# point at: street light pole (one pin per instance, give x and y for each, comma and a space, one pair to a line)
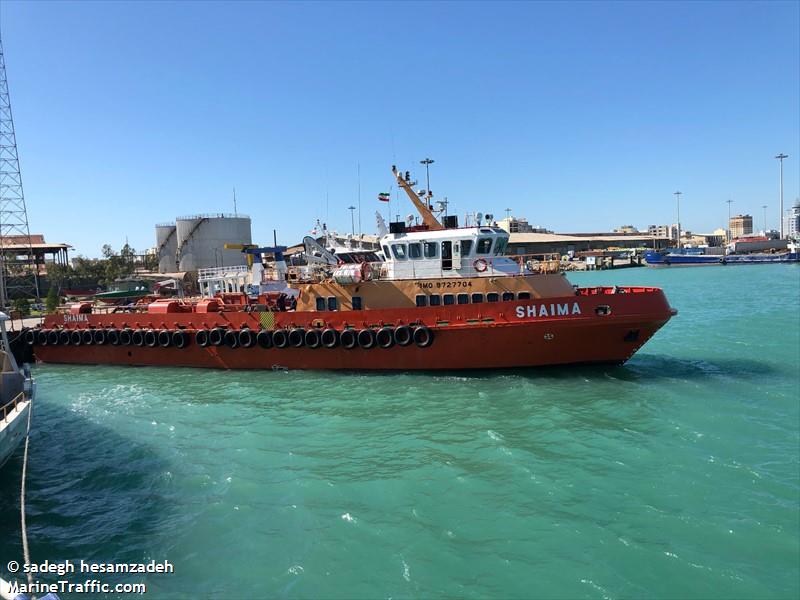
728, 228
764, 206
427, 162
352, 221
678, 197
780, 157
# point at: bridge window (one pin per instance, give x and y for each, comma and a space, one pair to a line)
386, 253
357, 305
422, 300
399, 251
500, 246
463, 298
430, 249
414, 251
435, 300
476, 298
466, 247
492, 297
333, 303
449, 299
320, 303
524, 296
508, 296
484, 246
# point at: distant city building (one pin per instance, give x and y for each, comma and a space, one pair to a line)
626, 229
663, 231
741, 225
521, 225
715, 239
791, 222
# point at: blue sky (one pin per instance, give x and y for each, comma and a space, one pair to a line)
578, 116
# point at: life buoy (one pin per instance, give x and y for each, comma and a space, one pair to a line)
30, 337
125, 337
41, 337
231, 339
164, 338
348, 339
113, 337
246, 338
75, 337
423, 337
201, 337
403, 335
63, 337
385, 337
179, 339
480, 265
52, 337
280, 338
150, 338
312, 338
215, 336
329, 338
264, 338
297, 337
99, 336
366, 339
87, 337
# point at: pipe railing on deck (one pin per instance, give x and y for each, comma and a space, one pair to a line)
10, 406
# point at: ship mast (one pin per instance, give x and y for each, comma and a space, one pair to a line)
424, 210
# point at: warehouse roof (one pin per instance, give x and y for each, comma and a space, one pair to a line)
532, 238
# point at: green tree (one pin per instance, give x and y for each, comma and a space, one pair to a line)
51, 304
22, 306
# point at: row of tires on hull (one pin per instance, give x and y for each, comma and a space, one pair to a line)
385, 337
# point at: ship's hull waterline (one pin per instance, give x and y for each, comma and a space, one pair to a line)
597, 325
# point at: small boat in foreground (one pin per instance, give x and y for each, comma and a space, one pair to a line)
17, 390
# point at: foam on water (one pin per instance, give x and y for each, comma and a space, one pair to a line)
676, 475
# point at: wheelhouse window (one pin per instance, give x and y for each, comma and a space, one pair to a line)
508, 296
466, 247
320, 303
435, 300
484, 246
500, 246
399, 251
422, 300
357, 304
463, 298
386, 254
449, 299
415, 251
429, 249
477, 298
333, 303
524, 296
492, 297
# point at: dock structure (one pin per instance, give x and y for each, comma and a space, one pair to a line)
565, 243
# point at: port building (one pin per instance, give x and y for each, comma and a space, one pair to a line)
741, 225
198, 242
564, 243
791, 223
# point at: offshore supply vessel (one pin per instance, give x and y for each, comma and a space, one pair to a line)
443, 297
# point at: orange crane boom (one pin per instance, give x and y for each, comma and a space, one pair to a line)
425, 212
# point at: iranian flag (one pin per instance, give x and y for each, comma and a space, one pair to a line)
384, 197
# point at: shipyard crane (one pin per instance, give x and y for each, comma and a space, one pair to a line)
425, 212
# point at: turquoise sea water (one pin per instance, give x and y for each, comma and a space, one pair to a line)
676, 475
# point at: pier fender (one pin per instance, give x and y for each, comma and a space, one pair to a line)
180, 339
423, 337
366, 338
722, 261
297, 337
264, 338
216, 336
246, 338
75, 337
313, 338
164, 338
64, 337
201, 337
385, 337
329, 338
403, 335
348, 339
126, 337
52, 337
99, 336
137, 337
280, 338
150, 338
41, 337
112, 335
30, 337
87, 337
231, 339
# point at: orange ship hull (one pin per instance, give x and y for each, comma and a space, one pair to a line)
597, 325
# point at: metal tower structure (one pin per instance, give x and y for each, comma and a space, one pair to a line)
18, 277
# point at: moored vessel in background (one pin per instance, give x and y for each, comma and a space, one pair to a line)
787, 252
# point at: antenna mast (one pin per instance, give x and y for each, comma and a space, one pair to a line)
18, 277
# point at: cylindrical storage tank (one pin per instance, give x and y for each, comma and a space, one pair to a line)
202, 239
166, 246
